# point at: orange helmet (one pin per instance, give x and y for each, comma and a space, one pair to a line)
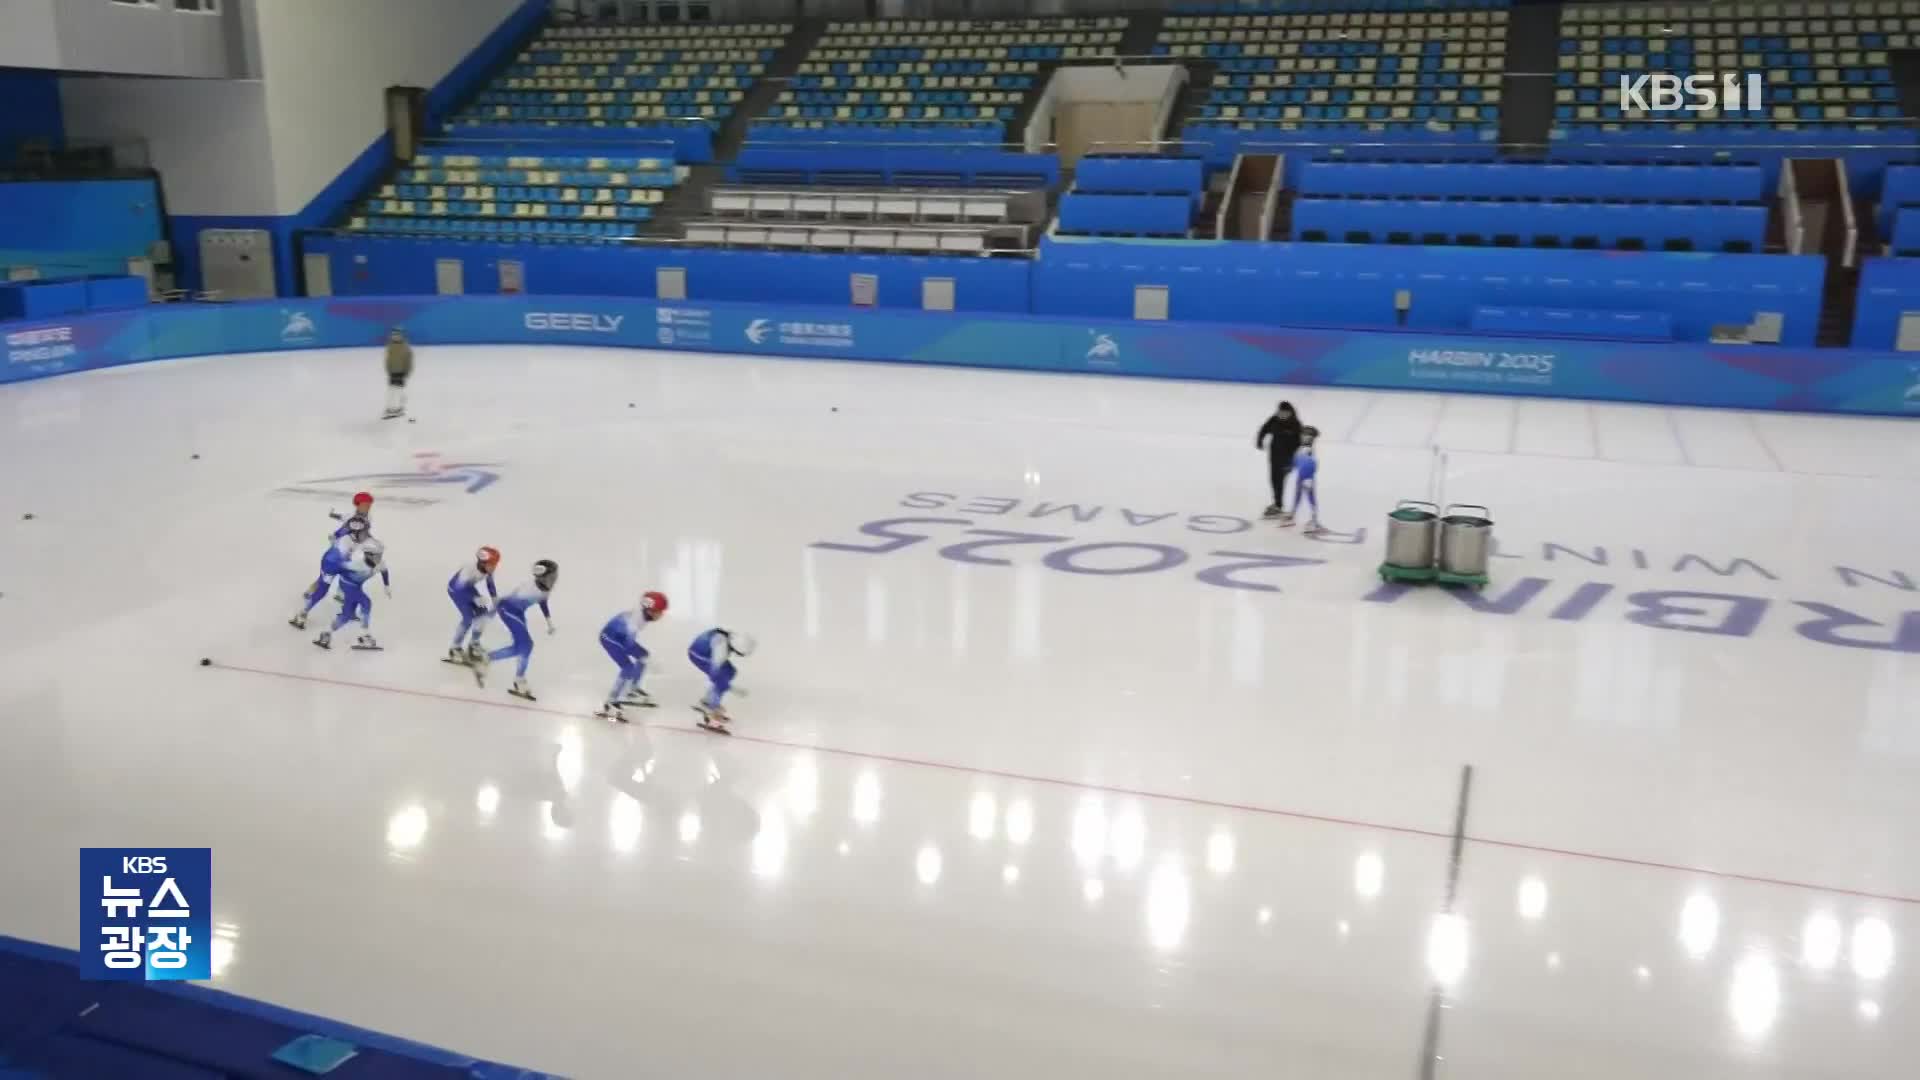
488, 558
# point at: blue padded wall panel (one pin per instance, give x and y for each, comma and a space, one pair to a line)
1889, 287
1354, 285
99, 224
406, 267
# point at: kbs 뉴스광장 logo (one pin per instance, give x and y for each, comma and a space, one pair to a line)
146, 914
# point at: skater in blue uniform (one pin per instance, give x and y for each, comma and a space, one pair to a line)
513, 614
621, 638
1306, 469
348, 538
356, 605
714, 653
463, 588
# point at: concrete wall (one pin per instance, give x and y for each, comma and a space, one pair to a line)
327, 68
27, 37
208, 138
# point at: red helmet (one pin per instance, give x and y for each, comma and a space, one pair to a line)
363, 499
653, 604
487, 558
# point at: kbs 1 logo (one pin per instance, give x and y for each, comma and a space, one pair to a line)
146, 914
1660, 92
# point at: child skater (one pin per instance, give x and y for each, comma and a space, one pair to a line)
621, 638
355, 604
1306, 469
713, 653
513, 613
463, 588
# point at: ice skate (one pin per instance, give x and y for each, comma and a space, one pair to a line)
1271, 512
366, 643
1286, 521
638, 697
611, 711
325, 640
476, 654
456, 655
1314, 528
393, 414
521, 690
479, 669
298, 622
713, 718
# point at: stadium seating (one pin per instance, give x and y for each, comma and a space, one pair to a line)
918, 239
627, 76
1822, 63
1125, 215
856, 205
1899, 190
957, 79
1387, 66
931, 166
1537, 181
1620, 225
527, 196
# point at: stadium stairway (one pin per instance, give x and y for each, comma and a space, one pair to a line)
1527, 98
1143, 29
1906, 78
766, 89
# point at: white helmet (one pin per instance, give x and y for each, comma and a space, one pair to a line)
372, 551
739, 642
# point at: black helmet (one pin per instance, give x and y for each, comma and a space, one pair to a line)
546, 572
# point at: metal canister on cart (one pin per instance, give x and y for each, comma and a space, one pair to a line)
1412, 534
1466, 544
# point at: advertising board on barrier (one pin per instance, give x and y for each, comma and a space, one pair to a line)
1752, 377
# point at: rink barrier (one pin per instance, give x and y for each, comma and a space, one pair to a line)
181, 1028
1750, 377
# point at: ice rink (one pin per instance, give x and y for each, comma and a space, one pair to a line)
1057, 761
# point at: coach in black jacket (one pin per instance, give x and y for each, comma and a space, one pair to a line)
1281, 437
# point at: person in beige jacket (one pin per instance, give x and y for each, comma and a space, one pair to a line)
399, 366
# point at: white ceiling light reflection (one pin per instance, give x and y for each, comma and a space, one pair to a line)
1447, 949
1089, 831
1169, 906
487, 801
624, 822
225, 943
1872, 948
1093, 890
407, 828
1009, 873
1343, 928
1820, 941
689, 827
1755, 999
1127, 840
981, 812
770, 845
926, 865
1019, 821
1264, 916
1869, 1010
803, 789
1699, 925
569, 760
1553, 960
1533, 898
1369, 875
866, 799
1220, 853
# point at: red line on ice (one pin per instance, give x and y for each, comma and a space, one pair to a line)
1081, 785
